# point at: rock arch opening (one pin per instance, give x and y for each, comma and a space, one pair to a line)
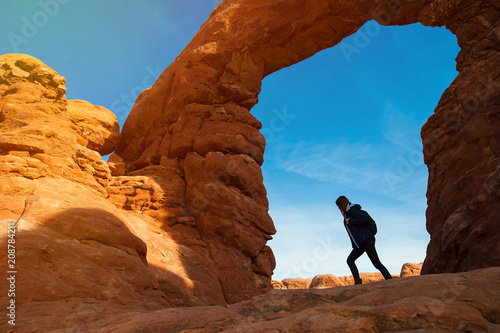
342, 122
194, 124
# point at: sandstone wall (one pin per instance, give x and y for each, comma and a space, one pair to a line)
76, 254
197, 118
179, 216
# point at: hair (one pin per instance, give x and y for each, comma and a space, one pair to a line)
342, 202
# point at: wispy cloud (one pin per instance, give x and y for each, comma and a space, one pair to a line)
400, 128
391, 165
387, 169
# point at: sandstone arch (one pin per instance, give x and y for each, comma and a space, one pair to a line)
194, 125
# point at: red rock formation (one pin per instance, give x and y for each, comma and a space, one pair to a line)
198, 114
297, 283
186, 222
462, 149
326, 281
73, 248
37, 138
71, 243
322, 281
96, 124
409, 269
278, 284
434, 303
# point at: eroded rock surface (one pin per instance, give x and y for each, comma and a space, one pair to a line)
198, 114
465, 302
410, 269
75, 251
96, 124
37, 137
186, 222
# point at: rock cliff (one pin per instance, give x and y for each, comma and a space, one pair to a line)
72, 246
197, 117
179, 216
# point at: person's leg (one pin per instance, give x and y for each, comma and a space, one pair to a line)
355, 254
372, 254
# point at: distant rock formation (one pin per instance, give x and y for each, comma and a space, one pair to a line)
278, 285
327, 281
410, 269
297, 283
322, 281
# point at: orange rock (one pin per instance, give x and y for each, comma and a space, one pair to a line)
278, 284
297, 283
432, 303
409, 269
326, 281
96, 124
365, 277
198, 111
73, 243
116, 165
36, 137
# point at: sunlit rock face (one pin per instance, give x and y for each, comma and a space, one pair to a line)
196, 118
179, 216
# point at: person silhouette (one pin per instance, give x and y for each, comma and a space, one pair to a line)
362, 239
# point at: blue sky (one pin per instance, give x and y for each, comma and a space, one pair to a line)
344, 122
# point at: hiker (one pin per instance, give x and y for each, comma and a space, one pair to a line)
356, 223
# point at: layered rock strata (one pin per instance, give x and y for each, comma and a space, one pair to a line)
72, 246
197, 116
186, 222
82, 242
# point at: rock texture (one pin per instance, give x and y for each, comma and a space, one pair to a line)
74, 249
466, 302
196, 118
410, 269
37, 137
462, 149
83, 235
96, 124
297, 283
180, 214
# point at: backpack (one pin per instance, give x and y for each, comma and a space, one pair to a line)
372, 226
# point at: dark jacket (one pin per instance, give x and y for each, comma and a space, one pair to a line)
358, 227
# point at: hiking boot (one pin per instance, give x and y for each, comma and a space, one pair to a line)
358, 281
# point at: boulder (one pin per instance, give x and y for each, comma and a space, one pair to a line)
278, 284
96, 124
410, 269
297, 283
322, 281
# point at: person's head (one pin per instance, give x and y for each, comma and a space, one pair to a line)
342, 203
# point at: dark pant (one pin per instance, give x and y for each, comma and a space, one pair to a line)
369, 248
